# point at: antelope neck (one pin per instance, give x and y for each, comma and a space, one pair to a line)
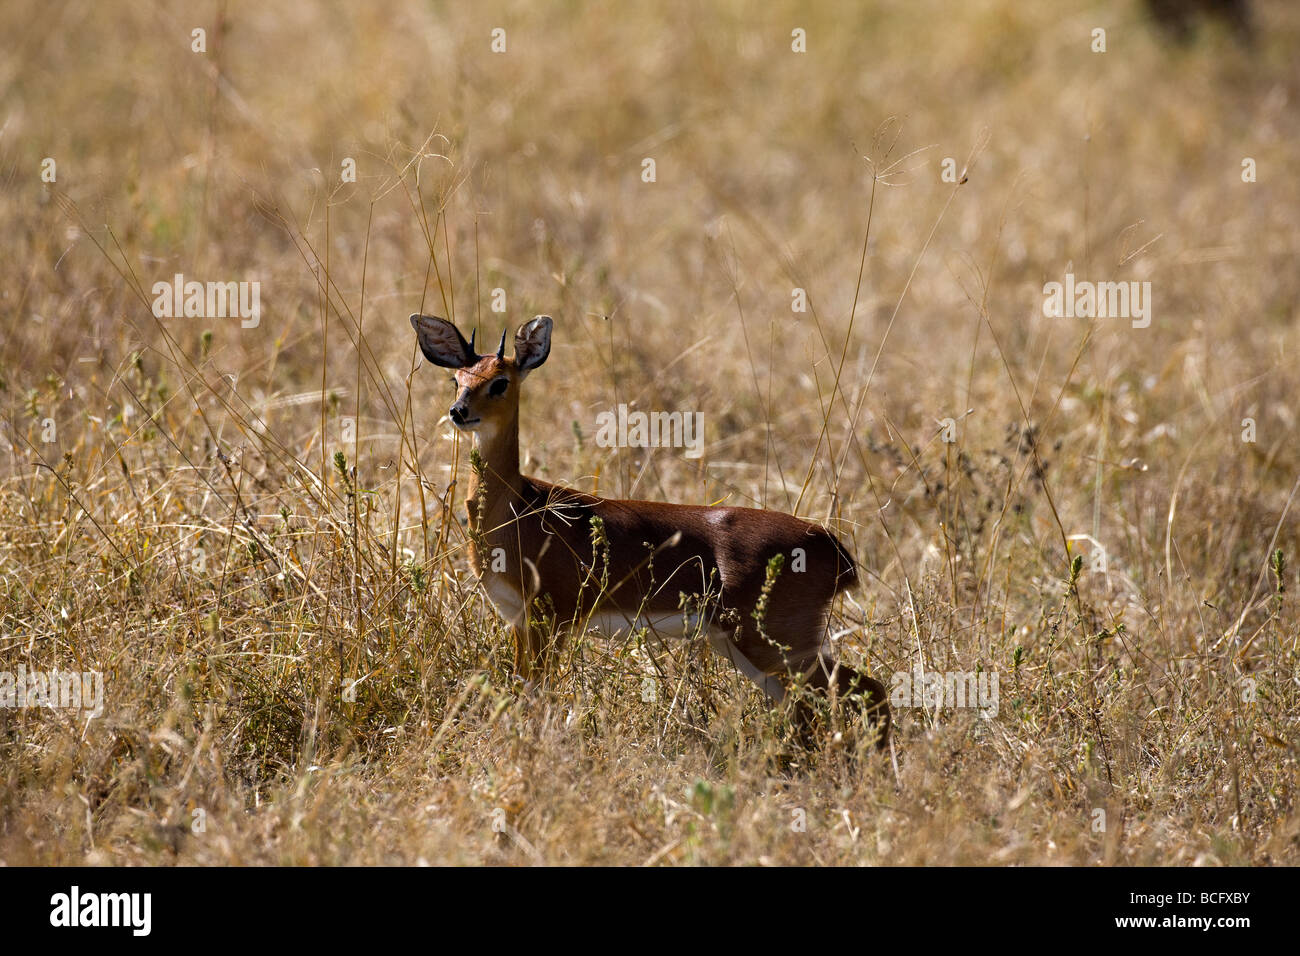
500, 482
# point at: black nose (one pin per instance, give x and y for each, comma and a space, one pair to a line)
458, 413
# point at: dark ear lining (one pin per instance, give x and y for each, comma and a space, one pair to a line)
533, 343
442, 343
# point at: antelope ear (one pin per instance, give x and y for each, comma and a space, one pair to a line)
442, 343
533, 343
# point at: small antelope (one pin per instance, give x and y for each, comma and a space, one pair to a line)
552, 559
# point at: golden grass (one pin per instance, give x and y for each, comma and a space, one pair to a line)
188, 533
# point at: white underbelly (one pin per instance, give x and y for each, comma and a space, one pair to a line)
506, 598
681, 626
510, 604
677, 625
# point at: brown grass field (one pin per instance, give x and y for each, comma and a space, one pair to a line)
255, 533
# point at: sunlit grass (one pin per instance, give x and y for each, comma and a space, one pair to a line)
256, 534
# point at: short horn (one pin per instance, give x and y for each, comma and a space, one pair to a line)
471, 340
501, 349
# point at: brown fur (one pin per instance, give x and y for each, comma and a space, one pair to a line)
654, 552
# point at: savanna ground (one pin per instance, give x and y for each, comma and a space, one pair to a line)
234, 524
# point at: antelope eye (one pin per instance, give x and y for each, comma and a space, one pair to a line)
498, 388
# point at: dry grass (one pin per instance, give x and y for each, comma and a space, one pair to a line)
188, 533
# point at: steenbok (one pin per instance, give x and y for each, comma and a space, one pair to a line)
552, 559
